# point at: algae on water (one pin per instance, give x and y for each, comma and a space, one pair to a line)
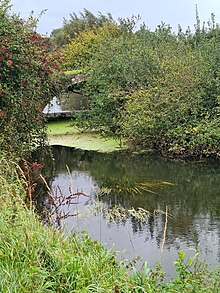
66, 134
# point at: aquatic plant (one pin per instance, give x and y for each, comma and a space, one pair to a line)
131, 186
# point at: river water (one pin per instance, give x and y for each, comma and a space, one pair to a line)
189, 190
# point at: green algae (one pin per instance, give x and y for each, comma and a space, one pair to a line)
66, 134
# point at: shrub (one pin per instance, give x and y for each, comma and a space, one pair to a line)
27, 65
157, 89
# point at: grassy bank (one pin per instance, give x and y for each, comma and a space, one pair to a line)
34, 258
38, 259
64, 133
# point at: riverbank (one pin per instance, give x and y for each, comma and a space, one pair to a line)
35, 258
63, 132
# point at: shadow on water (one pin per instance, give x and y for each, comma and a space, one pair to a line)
133, 181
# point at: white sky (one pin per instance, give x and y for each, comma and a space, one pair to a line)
152, 12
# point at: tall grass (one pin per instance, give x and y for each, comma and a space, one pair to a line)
34, 258
37, 258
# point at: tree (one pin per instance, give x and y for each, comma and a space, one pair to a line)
78, 24
158, 89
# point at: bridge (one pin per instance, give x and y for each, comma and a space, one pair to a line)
68, 103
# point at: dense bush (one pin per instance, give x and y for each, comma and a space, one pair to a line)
27, 62
84, 45
157, 89
180, 115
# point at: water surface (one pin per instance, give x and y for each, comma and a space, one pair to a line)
108, 180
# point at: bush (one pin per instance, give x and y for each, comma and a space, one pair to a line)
159, 90
27, 65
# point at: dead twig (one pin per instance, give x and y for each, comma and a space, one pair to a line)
164, 232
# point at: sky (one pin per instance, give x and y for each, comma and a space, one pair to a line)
152, 12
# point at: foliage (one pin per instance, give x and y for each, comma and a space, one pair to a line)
84, 45
58, 37
27, 64
37, 258
78, 24
157, 89
192, 276
180, 115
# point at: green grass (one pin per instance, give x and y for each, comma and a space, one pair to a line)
66, 134
35, 258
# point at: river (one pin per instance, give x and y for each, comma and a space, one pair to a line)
190, 191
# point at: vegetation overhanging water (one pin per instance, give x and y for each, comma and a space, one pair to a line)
181, 120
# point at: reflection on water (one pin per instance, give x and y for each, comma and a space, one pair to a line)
193, 201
